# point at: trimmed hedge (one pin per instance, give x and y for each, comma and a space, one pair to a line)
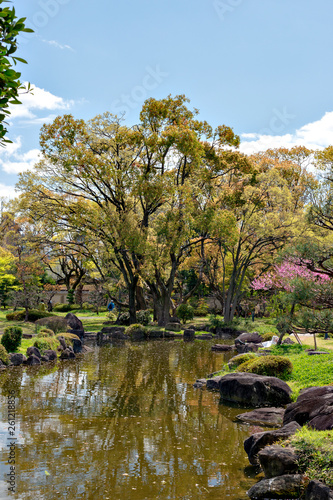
33, 315
11, 338
271, 366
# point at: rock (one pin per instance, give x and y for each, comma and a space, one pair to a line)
74, 322
277, 461
312, 352
45, 359
314, 407
27, 335
62, 341
250, 347
263, 416
17, 358
174, 319
174, 327
201, 382
34, 350
222, 347
67, 354
155, 334
287, 486
189, 334
77, 346
254, 390
172, 335
259, 440
50, 354
79, 333
33, 360
213, 384
204, 336
251, 337
288, 341
318, 491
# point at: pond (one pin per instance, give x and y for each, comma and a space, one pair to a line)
124, 423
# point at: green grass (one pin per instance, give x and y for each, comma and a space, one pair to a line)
315, 451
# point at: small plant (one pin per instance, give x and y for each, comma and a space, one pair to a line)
185, 312
215, 321
201, 308
271, 366
111, 316
4, 355
124, 319
11, 338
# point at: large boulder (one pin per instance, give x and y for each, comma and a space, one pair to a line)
74, 322
213, 384
50, 354
34, 350
189, 334
249, 389
263, 416
259, 440
277, 461
33, 360
314, 407
17, 358
251, 337
67, 354
318, 491
247, 347
287, 486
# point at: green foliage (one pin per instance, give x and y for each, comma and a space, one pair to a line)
45, 332
10, 85
4, 355
111, 316
45, 343
70, 297
315, 453
216, 321
185, 312
124, 318
201, 308
66, 307
271, 366
267, 336
69, 337
240, 359
33, 315
11, 338
143, 316
136, 329
54, 323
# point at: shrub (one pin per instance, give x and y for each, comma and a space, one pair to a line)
54, 323
266, 337
4, 355
48, 331
185, 312
272, 366
143, 316
111, 316
46, 343
87, 306
33, 315
124, 319
201, 309
215, 322
62, 307
241, 358
11, 338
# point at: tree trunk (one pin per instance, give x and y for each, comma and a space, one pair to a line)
132, 302
140, 299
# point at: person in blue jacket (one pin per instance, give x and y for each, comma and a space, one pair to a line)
110, 306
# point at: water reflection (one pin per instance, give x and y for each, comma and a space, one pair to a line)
124, 422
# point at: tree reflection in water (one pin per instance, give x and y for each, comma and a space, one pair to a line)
124, 422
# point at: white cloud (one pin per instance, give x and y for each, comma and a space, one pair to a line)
314, 135
37, 100
7, 191
13, 161
58, 45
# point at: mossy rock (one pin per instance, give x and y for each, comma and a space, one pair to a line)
45, 332
240, 359
69, 337
46, 343
271, 366
136, 332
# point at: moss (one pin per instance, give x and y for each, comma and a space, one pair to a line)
69, 337
271, 366
240, 359
4, 355
46, 343
136, 330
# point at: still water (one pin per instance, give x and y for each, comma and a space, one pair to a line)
124, 423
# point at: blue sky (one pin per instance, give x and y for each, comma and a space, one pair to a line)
260, 66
